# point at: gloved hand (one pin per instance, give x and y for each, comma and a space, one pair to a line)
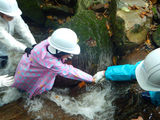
98, 76
28, 51
6, 81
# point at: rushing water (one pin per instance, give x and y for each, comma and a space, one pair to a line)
95, 103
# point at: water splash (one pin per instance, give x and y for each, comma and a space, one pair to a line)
9, 95
96, 104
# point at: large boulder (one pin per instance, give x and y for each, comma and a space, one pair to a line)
95, 43
131, 26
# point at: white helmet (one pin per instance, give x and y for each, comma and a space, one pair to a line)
10, 7
65, 40
148, 72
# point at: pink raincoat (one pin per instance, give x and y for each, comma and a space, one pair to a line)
37, 73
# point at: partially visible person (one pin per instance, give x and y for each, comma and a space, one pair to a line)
11, 22
36, 73
147, 73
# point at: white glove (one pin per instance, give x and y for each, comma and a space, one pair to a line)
98, 76
6, 81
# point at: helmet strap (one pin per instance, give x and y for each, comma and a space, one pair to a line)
1, 14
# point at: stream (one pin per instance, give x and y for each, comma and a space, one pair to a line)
57, 104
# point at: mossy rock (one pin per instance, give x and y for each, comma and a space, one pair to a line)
96, 46
94, 40
156, 36
31, 9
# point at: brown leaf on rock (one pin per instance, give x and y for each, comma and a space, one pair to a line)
144, 13
153, 27
50, 30
135, 7
60, 21
106, 6
99, 15
107, 25
154, 1
89, 8
106, 16
114, 60
91, 42
50, 17
130, 8
142, 16
68, 18
110, 33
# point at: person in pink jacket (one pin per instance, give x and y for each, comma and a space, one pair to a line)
36, 73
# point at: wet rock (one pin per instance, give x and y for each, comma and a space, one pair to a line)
126, 3
61, 14
32, 10
67, 2
14, 110
131, 28
133, 57
51, 9
156, 36
50, 110
129, 104
96, 46
84, 4
98, 7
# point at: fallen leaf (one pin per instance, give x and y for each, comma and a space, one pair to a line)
57, 97
107, 25
144, 13
130, 8
60, 21
81, 84
106, 6
114, 60
142, 16
68, 18
91, 42
135, 7
110, 33
89, 8
106, 16
50, 31
50, 17
125, 9
154, 1
148, 41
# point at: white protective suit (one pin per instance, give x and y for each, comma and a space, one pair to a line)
7, 29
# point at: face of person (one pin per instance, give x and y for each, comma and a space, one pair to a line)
7, 18
65, 56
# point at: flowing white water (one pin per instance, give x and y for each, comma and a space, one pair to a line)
96, 104
87, 104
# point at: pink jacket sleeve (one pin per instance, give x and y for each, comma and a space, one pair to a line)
68, 71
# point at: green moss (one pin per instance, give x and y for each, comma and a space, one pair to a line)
156, 36
88, 27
